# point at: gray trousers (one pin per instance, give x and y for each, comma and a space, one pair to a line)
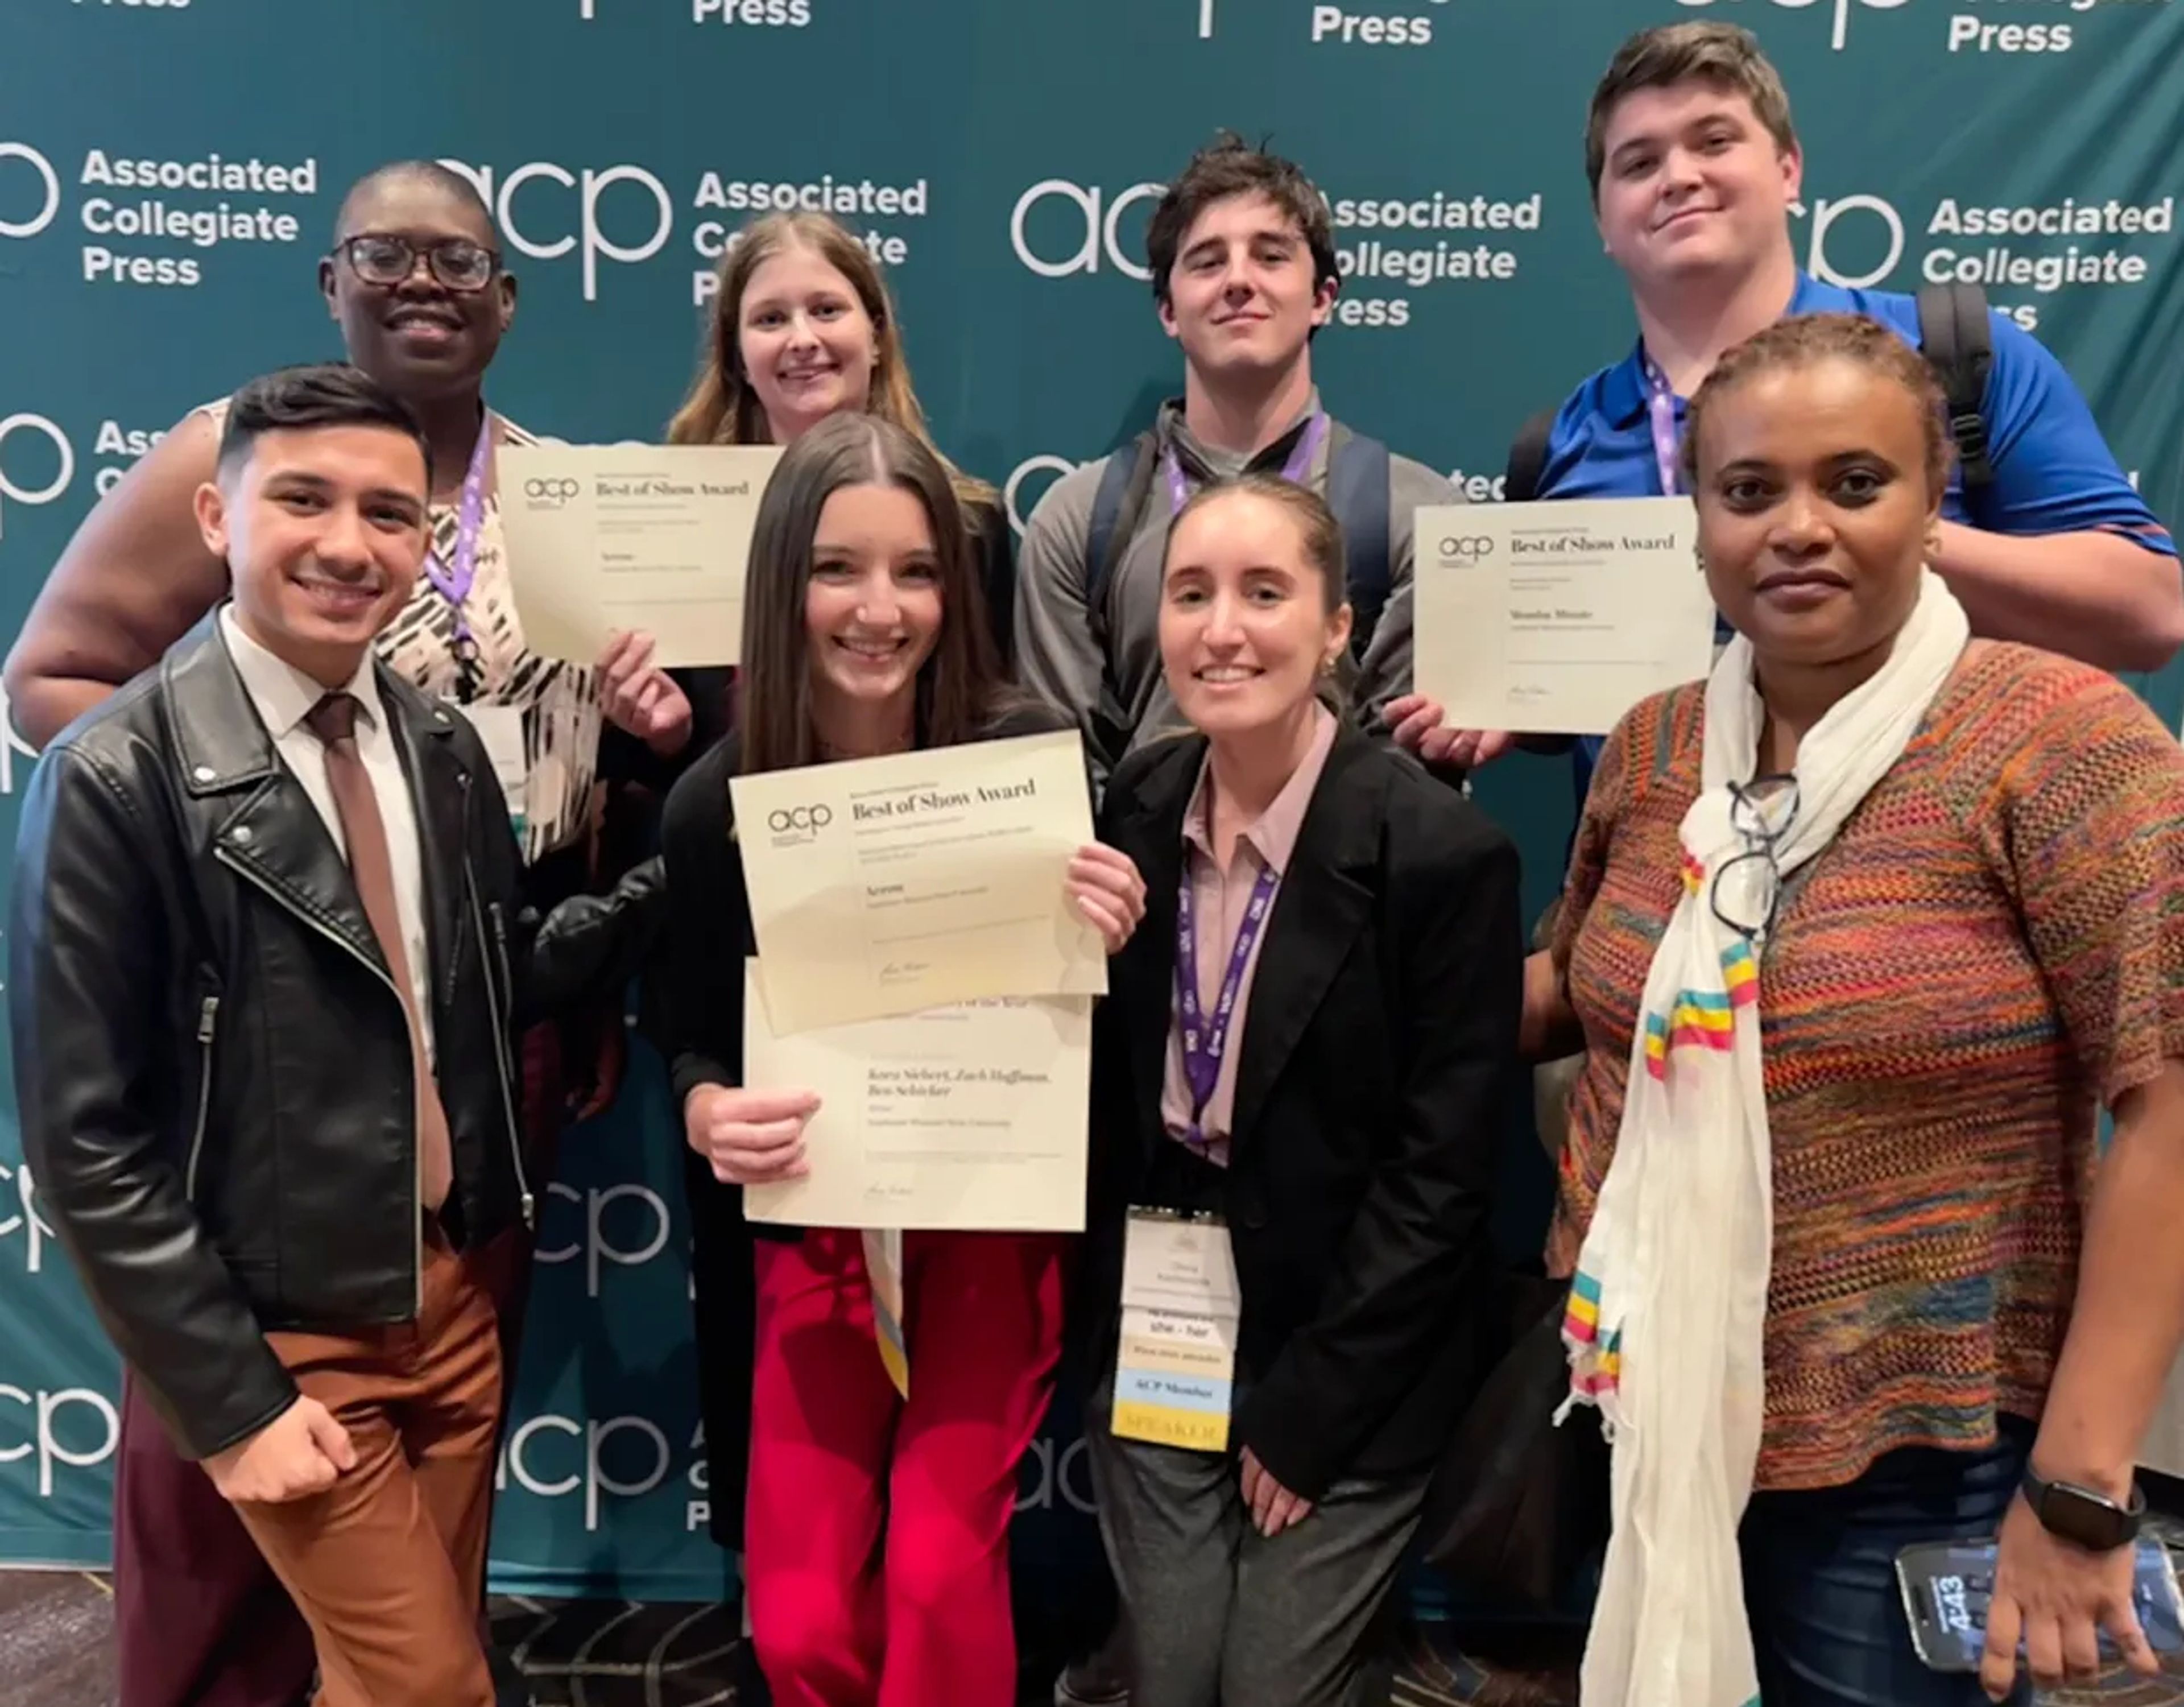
1220, 1617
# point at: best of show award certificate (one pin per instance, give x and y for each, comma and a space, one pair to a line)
656, 537
1557, 617
883, 886
966, 1117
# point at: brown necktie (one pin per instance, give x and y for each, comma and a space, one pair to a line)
333, 721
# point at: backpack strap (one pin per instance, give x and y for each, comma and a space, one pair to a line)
1959, 344
1357, 493
1125, 481
1528, 458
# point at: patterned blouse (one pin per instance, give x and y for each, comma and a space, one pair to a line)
1990, 950
560, 700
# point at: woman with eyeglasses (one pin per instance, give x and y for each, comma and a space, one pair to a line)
415, 281
1861, 936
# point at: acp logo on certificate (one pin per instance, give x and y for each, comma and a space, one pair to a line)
794, 826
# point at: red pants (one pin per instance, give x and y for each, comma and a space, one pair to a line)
877, 1535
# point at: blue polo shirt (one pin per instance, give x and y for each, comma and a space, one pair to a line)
2053, 472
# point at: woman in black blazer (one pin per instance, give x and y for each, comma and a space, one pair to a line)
1343, 1132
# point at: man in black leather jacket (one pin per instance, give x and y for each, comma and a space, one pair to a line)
270, 1097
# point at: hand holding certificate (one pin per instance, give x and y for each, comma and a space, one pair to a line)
966, 1117
1556, 618
883, 886
609, 536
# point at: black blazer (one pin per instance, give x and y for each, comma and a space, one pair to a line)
1378, 1046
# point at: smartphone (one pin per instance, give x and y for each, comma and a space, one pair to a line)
1947, 1585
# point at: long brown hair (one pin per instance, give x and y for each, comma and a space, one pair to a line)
960, 688
723, 408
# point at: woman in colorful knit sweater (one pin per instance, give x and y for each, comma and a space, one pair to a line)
1860, 937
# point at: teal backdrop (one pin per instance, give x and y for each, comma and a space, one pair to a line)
169, 174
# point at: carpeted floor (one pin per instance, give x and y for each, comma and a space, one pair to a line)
55, 1628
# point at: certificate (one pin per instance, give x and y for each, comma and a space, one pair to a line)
883, 886
971, 1117
603, 537
1557, 617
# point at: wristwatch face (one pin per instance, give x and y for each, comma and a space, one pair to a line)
2077, 1514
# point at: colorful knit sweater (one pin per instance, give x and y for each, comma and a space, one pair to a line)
1991, 948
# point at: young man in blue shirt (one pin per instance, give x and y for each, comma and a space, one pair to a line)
1694, 165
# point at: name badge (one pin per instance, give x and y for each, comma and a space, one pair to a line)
1176, 1367
501, 728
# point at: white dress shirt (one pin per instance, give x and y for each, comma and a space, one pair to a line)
284, 696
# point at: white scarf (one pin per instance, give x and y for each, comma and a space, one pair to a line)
1667, 1311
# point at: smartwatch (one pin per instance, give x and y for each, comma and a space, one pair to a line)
2080, 1515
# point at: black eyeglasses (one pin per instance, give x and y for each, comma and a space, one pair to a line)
1747, 892
458, 263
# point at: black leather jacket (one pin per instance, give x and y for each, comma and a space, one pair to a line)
212, 1063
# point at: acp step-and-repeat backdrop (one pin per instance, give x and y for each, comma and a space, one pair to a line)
168, 175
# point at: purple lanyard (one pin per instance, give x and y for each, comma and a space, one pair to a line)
1661, 405
1203, 1046
453, 581
1293, 471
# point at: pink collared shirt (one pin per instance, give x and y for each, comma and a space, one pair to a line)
1219, 899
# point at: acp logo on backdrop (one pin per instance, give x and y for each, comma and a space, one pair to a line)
1856, 242
624, 1458
25, 1219
643, 217
1988, 30
29, 191
87, 1439
1013, 492
1842, 11
627, 1239
1085, 226
37, 462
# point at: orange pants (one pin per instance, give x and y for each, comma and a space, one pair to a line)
385, 1564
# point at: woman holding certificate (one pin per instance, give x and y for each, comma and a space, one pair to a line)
1860, 937
1301, 1072
415, 282
803, 326
875, 1530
